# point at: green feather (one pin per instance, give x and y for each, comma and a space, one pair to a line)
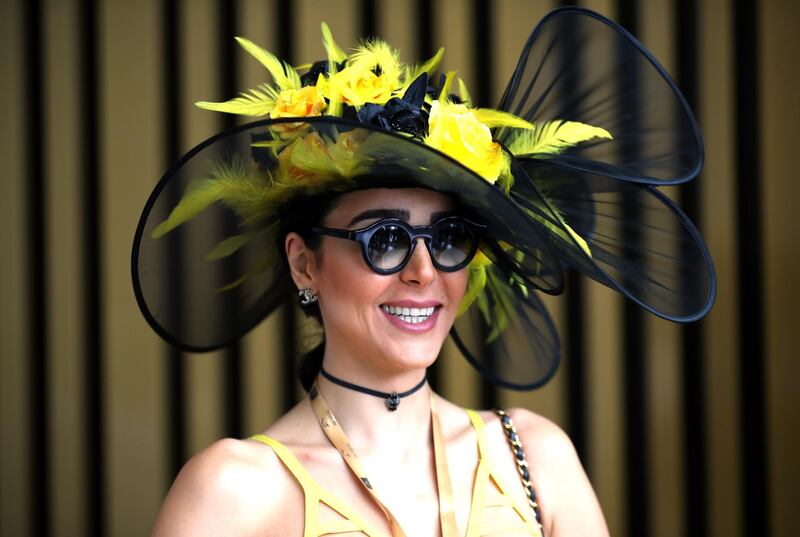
501, 304
570, 236
227, 247
476, 280
198, 196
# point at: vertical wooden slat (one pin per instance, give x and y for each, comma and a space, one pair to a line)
664, 424
367, 12
777, 58
130, 140
15, 455
746, 47
717, 194
64, 208
174, 369
227, 50
574, 344
204, 397
634, 344
695, 489
36, 229
604, 369
93, 336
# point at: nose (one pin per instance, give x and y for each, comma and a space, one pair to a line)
419, 270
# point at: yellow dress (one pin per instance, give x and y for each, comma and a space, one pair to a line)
493, 511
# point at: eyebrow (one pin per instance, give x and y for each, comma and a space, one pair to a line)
400, 214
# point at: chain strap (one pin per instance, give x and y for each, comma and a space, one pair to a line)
519, 458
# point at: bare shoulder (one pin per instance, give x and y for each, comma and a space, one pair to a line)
566, 497
233, 487
545, 439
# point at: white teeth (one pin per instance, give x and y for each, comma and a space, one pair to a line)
409, 315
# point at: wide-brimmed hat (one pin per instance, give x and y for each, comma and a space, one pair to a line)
563, 174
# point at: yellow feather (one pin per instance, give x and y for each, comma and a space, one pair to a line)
463, 92
377, 53
496, 118
553, 137
283, 74
446, 87
427, 67
333, 50
255, 102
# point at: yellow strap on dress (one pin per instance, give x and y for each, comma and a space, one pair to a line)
313, 494
478, 526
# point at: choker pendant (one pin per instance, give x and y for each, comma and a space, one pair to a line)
393, 401
390, 399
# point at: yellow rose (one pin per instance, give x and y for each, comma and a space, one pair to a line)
303, 102
358, 86
456, 131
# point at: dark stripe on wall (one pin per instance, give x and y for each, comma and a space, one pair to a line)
425, 29
424, 50
39, 434
634, 345
748, 232
368, 14
482, 58
695, 492
176, 431
92, 239
576, 385
284, 20
233, 389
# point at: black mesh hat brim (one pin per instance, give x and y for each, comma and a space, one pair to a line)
580, 66
198, 303
525, 354
640, 243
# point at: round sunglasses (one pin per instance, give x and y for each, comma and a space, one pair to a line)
388, 244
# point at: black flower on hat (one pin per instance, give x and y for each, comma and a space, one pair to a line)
406, 114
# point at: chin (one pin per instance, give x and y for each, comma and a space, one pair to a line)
418, 354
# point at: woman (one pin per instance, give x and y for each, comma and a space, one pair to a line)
392, 237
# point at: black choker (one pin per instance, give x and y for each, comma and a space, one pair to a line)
392, 399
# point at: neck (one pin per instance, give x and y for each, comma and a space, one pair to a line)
365, 419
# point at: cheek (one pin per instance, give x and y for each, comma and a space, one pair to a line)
346, 284
456, 285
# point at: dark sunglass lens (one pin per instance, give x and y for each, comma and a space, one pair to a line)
451, 244
388, 246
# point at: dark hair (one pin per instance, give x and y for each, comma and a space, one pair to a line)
301, 216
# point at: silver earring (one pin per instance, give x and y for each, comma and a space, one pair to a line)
307, 296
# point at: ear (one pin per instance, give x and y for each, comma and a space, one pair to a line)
302, 261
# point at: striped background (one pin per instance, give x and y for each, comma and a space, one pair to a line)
684, 430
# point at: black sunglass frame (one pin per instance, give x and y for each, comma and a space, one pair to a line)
364, 235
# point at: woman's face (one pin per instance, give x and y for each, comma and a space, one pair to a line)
360, 307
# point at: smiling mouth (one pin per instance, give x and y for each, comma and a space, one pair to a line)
409, 315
